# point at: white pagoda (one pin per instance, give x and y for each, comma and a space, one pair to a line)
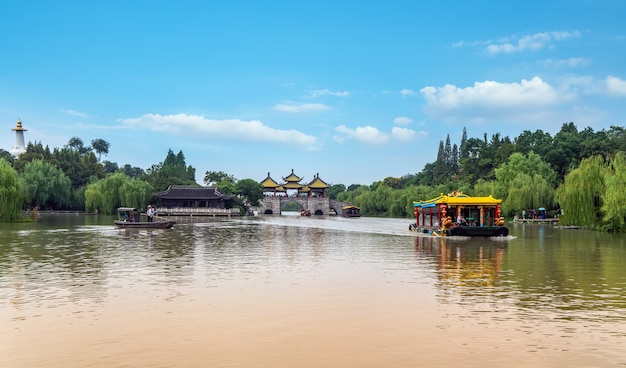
20, 146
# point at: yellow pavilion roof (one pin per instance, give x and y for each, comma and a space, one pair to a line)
292, 178
269, 182
458, 199
318, 183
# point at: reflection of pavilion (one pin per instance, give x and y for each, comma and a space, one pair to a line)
469, 263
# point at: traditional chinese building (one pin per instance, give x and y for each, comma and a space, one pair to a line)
271, 187
311, 197
190, 200
292, 184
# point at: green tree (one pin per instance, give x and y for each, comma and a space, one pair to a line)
537, 141
7, 156
172, 171
45, 185
214, 177
12, 197
334, 190
614, 196
580, 195
525, 181
109, 167
34, 151
76, 144
117, 190
250, 191
564, 154
470, 166
100, 146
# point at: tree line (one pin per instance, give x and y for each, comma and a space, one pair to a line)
579, 173
73, 177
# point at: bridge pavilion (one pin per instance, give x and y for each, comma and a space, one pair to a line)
316, 188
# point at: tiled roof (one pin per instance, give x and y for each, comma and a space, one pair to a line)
318, 183
269, 182
190, 192
292, 178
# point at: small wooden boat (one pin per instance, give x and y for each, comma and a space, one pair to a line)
130, 217
351, 211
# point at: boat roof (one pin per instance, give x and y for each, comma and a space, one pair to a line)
126, 209
458, 199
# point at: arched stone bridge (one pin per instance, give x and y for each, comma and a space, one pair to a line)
317, 205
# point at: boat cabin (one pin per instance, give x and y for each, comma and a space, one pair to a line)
351, 211
129, 214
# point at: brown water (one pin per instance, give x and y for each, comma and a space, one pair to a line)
290, 291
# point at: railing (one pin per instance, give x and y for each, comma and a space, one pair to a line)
186, 211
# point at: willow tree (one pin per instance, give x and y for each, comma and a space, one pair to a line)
12, 197
580, 194
117, 190
525, 181
45, 185
614, 197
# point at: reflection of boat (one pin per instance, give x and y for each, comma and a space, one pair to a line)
351, 211
459, 214
476, 264
129, 217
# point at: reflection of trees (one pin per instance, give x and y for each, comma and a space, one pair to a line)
62, 266
467, 263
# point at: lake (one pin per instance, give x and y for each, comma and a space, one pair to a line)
291, 291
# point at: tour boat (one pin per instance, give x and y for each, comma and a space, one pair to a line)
458, 214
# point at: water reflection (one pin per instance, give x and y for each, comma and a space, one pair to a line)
278, 291
465, 263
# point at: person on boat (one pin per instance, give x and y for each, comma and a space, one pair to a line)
150, 213
460, 221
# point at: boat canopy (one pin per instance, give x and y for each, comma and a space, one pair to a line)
458, 199
126, 209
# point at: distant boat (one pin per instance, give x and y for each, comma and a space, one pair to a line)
130, 217
351, 211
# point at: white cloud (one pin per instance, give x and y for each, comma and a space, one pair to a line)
299, 108
231, 129
528, 101
403, 134
615, 86
402, 120
532, 42
407, 92
573, 62
327, 92
534, 92
74, 113
367, 134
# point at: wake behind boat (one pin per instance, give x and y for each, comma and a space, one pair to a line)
130, 217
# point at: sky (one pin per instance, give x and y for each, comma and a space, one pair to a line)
352, 91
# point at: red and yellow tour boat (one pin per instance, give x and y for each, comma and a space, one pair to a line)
458, 214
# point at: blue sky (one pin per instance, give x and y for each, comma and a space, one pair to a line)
356, 91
